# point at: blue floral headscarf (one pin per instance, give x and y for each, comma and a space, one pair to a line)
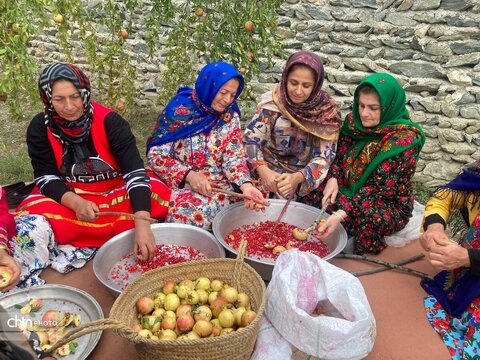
190, 113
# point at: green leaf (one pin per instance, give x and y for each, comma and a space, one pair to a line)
73, 346
18, 306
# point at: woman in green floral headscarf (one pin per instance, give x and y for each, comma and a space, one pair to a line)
375, 163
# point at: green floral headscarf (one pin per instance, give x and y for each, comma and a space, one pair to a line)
393, 135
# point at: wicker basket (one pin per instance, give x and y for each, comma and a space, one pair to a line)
236, 345
123, 315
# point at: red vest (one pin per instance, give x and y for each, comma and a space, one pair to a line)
99, 137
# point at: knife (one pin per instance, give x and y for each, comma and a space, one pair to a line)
277, 222
319, 216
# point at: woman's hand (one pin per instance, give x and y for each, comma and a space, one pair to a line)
331, 190
287, 184
327, 227
254, 194
145, 246
448, 255
268, 178
198, 183
8, 261
435, 232
85, 210
443, 253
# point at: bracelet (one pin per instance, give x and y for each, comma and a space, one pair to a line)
338, 216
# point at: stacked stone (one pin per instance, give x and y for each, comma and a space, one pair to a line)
431, 46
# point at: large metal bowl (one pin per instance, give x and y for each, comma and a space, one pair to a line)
176, 234
297, 214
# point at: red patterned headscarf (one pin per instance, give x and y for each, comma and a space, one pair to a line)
318, 109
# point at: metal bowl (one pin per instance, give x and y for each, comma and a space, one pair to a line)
297, 214
176, 234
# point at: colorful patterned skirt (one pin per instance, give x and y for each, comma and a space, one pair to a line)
192, 208
369, 222
34, 248
68, 230
460, 334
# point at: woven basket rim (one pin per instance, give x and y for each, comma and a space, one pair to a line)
192, 263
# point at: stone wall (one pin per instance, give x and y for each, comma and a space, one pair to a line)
431, 46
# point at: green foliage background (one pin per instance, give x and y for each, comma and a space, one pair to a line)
196, 32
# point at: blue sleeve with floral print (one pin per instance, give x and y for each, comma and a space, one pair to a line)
316, 170
257, 134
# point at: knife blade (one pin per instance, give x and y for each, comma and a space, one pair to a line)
319, 216
277, 222
284, 209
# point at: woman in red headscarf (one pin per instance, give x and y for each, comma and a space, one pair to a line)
86, 162
292, 139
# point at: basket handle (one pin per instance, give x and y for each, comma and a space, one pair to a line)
88, 328
239, 261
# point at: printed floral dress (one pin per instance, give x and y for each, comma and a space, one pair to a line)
461, 331
381, 207
271, 139
34, 248
461, 335
218, 155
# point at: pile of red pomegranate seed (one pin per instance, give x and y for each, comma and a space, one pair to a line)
166, 254
259, 234
128, 268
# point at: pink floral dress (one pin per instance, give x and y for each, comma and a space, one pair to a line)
218, 155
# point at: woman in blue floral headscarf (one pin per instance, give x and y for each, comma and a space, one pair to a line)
453, 306
197, 145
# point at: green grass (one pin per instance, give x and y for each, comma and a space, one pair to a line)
14, 160
142, 122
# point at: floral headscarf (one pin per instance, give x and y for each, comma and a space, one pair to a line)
393, 135
190, 113
319, 114
468, 180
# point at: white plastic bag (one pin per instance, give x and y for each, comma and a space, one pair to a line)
411, 231
270, 345
300, 281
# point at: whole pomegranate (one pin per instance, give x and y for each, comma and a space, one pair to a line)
144, 305
249, 26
